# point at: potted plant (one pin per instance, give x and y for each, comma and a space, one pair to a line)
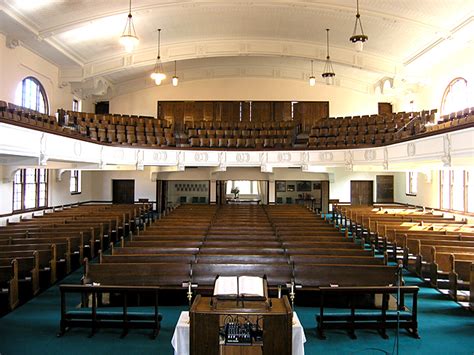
235, 191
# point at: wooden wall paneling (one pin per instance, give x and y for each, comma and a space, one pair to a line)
384, 188
245, 111
208, 111
262, 110
189, 112
385, 108
178, 114
362, 192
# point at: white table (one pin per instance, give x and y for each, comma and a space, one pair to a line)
180, 340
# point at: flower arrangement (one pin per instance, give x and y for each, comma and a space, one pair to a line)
235, 191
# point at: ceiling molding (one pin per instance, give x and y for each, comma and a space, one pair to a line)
236, 48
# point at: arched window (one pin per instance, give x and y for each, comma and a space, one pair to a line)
455, 96
31, 94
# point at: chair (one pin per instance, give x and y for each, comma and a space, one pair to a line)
289, 200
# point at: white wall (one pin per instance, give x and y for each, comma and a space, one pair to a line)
18, 63
59, 193
342, 102
428, 190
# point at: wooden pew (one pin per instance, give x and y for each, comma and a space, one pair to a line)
329, 251
28, 270
164, 275
241, 258
379, 319
313, 276
47, 255
336, 259
444, 263
9, 284
460, 276
146, 258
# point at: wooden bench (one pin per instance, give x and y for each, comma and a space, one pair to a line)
9, 284
47, 255
460, 276
363, 318
169, 276
96, 317
337, 259
28, 270
313, 276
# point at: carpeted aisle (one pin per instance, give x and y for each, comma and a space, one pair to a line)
445, 328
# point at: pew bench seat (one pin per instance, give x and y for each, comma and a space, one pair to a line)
379, 318
96, 316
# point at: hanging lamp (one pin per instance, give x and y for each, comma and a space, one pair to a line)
358, 38
174, 80
129, 38
158, 75
328, 73
312, 78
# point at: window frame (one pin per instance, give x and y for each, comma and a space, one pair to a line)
450, 193
76, 175
447, 92
37, 183
40, 93
411, 188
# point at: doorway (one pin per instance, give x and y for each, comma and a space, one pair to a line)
362, 192
384, 188
123, 191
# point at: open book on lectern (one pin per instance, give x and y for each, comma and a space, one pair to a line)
245, 287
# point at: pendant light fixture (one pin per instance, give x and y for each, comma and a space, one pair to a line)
328, 69
129, 37
174, 80
312, 79
158, 75
358, 38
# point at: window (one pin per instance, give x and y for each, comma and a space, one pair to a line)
245, 187
30, 189
75, 105
455, 96
31, 94
455, 192
412, 183
75, 182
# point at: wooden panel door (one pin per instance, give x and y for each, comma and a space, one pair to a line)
362, 192
123, 191
384, 188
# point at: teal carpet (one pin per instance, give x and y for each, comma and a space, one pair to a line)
444, 327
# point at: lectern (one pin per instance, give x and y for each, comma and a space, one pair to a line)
207, 318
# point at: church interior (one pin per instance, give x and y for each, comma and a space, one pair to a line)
226, 177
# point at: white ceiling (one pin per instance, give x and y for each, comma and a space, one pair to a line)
81, 36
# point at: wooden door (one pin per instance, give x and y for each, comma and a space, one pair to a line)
362, 192
161, 195
123, 191
384, 188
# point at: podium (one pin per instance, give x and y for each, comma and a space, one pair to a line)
207, 318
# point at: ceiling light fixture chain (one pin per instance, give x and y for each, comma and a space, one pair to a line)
358, 38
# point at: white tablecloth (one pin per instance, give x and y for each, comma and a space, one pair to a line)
180, 340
